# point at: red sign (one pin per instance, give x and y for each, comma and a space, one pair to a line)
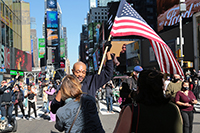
168, 11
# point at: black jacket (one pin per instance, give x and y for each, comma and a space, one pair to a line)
90, 84
6, 92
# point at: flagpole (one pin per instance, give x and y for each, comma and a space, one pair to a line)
104, 55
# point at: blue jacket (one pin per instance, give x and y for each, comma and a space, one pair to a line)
90, 84
87, 121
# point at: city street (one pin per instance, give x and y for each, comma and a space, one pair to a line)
108, 120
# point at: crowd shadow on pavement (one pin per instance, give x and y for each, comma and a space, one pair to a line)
54, 132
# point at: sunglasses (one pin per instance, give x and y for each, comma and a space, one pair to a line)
123, 47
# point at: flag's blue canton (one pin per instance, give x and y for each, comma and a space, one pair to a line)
128, 11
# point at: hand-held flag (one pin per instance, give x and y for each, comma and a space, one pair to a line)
129, 22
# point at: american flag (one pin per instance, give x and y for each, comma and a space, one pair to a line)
129, 22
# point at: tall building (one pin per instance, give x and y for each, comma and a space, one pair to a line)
104, 2
13, 54
92, 4
98, 14
25, 15
34, 45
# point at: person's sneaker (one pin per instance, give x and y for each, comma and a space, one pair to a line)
17, 118
23, 118
29, 119
9, 126
50, 121
37, 118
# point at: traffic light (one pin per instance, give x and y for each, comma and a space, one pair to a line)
187, 64
87, 55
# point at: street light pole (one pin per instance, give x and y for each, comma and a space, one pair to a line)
181, 42
182, 8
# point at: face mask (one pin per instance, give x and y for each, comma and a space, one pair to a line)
175, 80
186, 88
138, 75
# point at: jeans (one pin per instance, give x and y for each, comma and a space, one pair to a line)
31, 105
9, 108
109, 103
187, 121
46, 107
21, 107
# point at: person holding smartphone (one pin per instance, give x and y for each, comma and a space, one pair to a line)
185, 99
6, 99
31, 102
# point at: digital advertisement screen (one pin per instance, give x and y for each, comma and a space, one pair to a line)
23, 60
52, 19
52, 37
52, 4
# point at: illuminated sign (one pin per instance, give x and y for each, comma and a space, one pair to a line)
168, 12
52, 4
52, 19
14, 72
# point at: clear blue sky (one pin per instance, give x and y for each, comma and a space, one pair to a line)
73, 14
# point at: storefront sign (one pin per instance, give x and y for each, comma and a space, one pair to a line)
170, 15
14, 72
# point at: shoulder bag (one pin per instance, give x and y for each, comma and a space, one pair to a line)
75, 118
135, 117
16, 100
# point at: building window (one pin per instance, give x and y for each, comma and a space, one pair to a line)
149, 17
3, 33
98, 13
7, 36
149, 1
95, 13
150, 10
102, 17
101, 13
95, 17
98, 17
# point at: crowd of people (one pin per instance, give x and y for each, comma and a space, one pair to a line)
150, 100
16, 96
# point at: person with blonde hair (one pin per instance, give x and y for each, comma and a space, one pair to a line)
79, 114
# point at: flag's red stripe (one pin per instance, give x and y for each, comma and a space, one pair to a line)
124, 27
157, 55
126, 20
133, 33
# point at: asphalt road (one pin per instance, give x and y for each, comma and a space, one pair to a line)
108, 121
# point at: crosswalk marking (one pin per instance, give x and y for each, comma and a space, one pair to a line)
103, 108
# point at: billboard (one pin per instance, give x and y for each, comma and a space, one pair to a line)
41, 49
52, 37
7, 57
62, 47
94, 27
52, 4
95, 60
52, 19
22, 60
168, 11
133, 55
118, 53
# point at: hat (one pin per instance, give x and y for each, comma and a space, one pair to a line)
137, 68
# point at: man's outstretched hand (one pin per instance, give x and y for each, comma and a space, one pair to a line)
108, 43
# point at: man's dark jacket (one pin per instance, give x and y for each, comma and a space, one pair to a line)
90, 84
6, 92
